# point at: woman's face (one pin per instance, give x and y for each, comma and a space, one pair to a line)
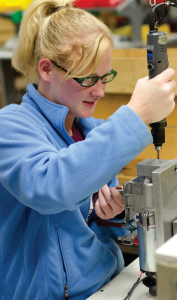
81, 101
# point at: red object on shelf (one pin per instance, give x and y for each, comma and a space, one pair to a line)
136, 241
103, 3
159, 1
98, 3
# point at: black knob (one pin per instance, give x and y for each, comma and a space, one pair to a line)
153, 290
150, 67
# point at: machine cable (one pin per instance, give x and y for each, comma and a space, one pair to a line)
139, 280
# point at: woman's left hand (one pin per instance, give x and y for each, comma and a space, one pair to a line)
109, 203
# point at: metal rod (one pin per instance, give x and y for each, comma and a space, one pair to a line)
158, 154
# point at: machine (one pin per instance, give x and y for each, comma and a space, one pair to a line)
153, 196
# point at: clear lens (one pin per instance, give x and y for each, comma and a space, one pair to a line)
93, 80
107, 78
89, 81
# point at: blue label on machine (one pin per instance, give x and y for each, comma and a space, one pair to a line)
149, 56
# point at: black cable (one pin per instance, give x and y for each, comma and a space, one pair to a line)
134, 287
161, 19
153, 15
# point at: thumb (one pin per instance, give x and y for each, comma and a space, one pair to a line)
145, 79
166, 75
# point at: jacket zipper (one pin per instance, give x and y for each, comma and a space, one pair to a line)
66, 286
66, 292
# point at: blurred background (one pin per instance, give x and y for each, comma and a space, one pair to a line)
127, 20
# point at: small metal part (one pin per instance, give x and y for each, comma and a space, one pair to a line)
121, 192
152, 3
128, 240
158, 148
158, 151
167, 3
145, 216
131, 225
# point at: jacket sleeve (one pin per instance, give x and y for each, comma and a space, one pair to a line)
50, 180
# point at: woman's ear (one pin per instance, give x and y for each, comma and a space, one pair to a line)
45, 68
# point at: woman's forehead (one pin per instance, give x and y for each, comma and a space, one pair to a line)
104, 66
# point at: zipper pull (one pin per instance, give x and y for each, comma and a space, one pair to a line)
66, 292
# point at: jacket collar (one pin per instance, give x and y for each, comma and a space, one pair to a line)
53, 112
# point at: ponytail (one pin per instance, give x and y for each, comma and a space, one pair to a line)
54, 29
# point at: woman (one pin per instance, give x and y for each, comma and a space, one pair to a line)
55, 156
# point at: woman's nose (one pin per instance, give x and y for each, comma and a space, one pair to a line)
98, 89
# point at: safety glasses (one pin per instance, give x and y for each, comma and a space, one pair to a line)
92, 80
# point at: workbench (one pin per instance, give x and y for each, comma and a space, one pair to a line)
118, 288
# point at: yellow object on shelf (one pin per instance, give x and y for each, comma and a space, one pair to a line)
127, 30
124, 30
14, 5
145, 29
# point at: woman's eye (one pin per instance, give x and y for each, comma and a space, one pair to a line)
104, 79
89, 81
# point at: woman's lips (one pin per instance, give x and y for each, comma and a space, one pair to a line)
89, 104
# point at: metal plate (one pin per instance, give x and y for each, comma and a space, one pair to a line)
165, 198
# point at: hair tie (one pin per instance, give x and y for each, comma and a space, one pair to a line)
58, 8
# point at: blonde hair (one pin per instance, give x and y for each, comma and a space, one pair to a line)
70, 36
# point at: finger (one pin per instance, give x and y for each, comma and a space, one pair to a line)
173, 96
107, 212
104, 204
104, 210
172, 84
100, 213
166, 75
116, 208
116, 201
117, 196
106, 191
119, 187
144, 79
110, 206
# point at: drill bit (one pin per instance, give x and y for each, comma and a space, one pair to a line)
158, 151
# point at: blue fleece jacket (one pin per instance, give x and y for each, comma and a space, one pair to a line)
46, 181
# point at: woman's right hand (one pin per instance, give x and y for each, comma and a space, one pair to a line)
153, 99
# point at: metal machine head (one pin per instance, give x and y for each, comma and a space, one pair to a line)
152, 195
